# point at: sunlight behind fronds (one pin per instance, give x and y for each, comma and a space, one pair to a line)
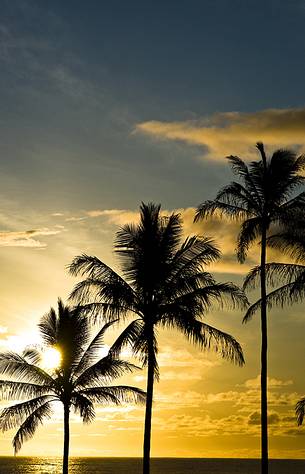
51, 358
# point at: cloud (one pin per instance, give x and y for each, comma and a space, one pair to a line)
272, 383
75, 219
255, 418
245, 401
25, 238
228, 133
115, 216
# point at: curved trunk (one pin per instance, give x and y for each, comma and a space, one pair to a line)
65, 464
264, 407
148, 409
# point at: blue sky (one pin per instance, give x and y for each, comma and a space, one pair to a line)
106, 104
77, 79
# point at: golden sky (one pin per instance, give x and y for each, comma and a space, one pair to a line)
203, 406
105, 106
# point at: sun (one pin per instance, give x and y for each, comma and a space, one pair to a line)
51, 358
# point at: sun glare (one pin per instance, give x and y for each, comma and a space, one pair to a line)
51, 358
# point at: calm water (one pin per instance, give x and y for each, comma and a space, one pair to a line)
24, 465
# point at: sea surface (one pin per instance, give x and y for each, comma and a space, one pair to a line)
24, 465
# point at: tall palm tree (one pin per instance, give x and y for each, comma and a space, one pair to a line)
291, 277
265, 196
81, 379
164, 284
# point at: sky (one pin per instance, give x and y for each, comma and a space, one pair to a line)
105, 105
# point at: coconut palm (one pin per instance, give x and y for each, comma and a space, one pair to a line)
264, 197
81, 379
291, 277
163, 284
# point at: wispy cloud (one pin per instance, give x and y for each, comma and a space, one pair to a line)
26, 238
228, 133
115, 216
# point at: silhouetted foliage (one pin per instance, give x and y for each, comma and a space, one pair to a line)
164, 284
263, 198
300, 411
81, 380
290, 276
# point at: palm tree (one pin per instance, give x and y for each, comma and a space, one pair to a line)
81, 379
261, 199
291, 276
164, 284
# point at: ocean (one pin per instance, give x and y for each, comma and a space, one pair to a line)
25, 465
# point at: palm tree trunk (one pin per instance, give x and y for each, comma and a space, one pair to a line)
148, 410
264, 406
65, 465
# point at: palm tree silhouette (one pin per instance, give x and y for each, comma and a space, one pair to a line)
292, 279
262, 198
164, 284
81, 379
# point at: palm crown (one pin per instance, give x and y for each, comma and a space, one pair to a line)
82, 378
164, 284
264, 196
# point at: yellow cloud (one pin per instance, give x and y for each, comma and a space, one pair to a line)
234, 132
25, 238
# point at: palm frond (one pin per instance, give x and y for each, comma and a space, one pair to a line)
218, 208
48, 326
249, 231
235, 194
281, 296
14, 365
202, 299
18, 390
186, 323
127, 337
194, 253
300, 411
145, 347
33, 355
83, 406
115, 394
240, 168
92, 267
171, 233
223, 343
276, 273
29, 426
103, 371
13, 416
291, 243
92, 351
98, 312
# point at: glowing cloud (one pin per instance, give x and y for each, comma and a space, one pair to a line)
234, 132
25, 238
